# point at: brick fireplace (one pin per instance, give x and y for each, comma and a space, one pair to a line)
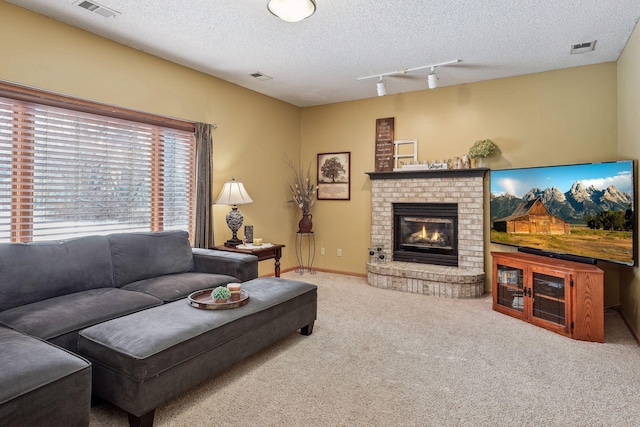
460, 188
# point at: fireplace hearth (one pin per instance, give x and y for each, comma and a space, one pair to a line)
426, 233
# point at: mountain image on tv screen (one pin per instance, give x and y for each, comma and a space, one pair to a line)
582, 210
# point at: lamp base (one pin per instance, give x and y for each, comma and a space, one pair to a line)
234, 222
232, 243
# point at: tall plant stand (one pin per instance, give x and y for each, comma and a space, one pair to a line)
310, 240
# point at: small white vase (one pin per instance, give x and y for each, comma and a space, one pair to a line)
481, 162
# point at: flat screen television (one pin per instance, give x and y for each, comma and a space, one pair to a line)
581, 212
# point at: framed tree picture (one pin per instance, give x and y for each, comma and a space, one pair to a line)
334, 176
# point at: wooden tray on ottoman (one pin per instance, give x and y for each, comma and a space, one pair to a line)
202, 299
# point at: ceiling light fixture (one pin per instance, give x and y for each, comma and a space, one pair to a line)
292, 10
432, 78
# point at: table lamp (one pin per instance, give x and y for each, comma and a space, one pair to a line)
233, 193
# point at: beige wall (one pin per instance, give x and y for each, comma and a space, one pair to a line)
547, 118
629, 147
566, 116
254, 131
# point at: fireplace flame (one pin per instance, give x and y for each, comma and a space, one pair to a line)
435, 236
424, 233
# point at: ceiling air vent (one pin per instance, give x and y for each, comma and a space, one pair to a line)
583, 47
258, 75
101, 10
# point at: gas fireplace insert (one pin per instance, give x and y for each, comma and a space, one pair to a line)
426, 233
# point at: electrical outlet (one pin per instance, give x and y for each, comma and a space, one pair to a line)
321, 251
339, 252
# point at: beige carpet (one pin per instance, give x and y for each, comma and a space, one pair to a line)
387, 358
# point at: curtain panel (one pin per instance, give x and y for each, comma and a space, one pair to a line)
203, 235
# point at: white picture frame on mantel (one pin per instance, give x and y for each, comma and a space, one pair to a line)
401, 156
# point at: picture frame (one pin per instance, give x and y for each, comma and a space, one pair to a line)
248, 233
334, 176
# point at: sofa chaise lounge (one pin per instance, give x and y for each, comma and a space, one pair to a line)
42, 384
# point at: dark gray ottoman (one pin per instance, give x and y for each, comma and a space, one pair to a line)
145, 359
41, 384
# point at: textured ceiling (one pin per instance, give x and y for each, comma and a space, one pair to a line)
317, 61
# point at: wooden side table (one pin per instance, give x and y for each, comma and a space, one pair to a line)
271, 251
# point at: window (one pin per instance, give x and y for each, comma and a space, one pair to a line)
66, 173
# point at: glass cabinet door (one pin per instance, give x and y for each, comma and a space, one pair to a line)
510, 287
549, 298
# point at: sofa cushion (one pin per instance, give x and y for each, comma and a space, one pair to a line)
55, 317
138, 256
42, 384
173, 287
36, 271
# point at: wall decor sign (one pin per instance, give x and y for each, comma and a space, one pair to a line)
334, 176
384, 144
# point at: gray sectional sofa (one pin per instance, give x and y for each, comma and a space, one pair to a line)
51, 293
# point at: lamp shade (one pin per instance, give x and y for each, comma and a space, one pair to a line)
291, 10
233, 193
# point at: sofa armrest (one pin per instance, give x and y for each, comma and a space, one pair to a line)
241, 266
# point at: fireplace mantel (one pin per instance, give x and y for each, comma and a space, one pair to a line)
431, 173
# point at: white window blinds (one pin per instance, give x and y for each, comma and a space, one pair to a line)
65, 173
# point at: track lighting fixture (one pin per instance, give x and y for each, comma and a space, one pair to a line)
382, 89
432, 77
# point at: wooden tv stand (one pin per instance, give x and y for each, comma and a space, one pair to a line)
565, 297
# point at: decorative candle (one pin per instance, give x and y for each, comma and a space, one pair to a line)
234, 288
257, 241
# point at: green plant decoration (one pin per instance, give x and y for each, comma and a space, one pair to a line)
483, 148
220, 293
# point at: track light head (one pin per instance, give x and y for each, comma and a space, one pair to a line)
382, 89
432, 79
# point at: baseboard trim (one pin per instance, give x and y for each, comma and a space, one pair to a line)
325, 270
346, 273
